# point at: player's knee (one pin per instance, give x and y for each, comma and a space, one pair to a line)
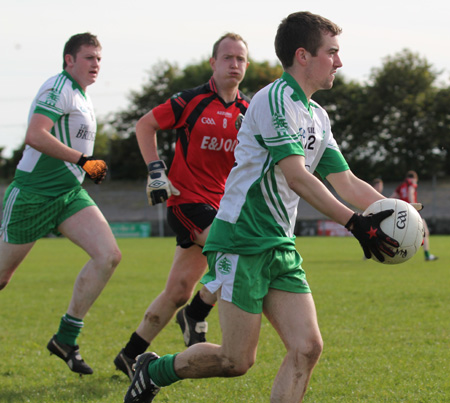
179, 293
115, 257
181, 298
109, 260
237, 366
312, 350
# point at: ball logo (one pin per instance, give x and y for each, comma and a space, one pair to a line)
402, 216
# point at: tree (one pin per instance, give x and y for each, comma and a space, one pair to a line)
396, 123
165, 80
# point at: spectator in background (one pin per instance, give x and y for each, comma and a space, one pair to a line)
407, 191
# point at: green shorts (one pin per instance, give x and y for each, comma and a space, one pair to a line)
245, 280
28, 217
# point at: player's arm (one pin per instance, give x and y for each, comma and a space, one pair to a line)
39, 137
366, 229
312, 190
159, 187
354, 190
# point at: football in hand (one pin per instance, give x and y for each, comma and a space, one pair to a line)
405, 225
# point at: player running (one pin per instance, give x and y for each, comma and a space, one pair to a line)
46, 194
253, 263
206, 120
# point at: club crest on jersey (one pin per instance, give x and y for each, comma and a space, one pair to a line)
279, 122
52, 98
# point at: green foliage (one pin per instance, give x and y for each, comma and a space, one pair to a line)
8, 165
385, 328
397, 121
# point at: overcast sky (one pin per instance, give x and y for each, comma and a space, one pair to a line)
136, 34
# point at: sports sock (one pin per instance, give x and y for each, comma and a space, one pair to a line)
427, 254
137, 345
162, 370
197, 309
69, 330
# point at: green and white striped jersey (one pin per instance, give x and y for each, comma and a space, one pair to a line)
258, 210
62, 100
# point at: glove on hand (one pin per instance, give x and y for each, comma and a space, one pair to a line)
367, 231
95, 169
159, 187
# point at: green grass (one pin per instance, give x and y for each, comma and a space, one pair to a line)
386, 329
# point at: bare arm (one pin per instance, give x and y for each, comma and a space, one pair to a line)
313, 190
146, 129
354, 190
39, 137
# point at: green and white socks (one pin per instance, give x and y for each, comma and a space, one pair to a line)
69, 330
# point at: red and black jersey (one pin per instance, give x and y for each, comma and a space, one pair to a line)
403, 191
206, 139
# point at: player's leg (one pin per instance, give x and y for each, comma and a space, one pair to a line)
88, 229
236, 354
11, 255
192, 317
240, 333
23, 222
190, 222
426, 243
188, 267
294, 318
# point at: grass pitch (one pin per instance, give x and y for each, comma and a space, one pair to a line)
386, 329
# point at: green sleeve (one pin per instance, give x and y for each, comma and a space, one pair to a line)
332, 161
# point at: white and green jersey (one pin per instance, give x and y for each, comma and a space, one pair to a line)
258, 210
62, 100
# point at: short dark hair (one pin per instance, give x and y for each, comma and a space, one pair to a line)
230, 35
75, 42
301, 30
412, 175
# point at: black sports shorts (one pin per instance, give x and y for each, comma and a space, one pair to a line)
184, 219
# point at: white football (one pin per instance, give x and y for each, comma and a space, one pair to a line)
405, 225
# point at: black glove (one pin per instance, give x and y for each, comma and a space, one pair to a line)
159, 187
367, 231
95, 169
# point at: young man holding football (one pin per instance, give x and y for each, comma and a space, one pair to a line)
254, 267
46, 194
206, 119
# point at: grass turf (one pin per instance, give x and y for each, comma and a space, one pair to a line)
385, 328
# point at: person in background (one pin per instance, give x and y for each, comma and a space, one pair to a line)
46, 194
206, 119
407, 191
378, 185
254, 267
